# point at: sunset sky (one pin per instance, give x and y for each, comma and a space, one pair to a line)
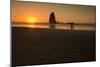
39, 12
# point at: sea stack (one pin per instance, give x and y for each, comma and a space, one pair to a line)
52, 20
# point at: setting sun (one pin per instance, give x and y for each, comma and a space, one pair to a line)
31, 19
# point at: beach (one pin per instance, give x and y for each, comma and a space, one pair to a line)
35, 46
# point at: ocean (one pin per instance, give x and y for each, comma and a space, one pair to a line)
58, 26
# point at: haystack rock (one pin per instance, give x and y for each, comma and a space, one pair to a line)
52, 18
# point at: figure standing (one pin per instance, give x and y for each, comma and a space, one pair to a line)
71, 25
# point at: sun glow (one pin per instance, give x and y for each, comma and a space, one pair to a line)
31, 19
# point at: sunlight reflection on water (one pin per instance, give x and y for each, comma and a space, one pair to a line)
57, 26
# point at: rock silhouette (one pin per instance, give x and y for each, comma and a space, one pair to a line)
52, 20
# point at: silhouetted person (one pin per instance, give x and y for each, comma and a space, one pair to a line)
52, 20
72, 25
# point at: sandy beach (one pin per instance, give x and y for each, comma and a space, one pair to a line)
35, 46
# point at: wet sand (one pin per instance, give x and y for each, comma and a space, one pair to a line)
35, 46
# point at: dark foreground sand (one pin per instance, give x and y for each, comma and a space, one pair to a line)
45, 46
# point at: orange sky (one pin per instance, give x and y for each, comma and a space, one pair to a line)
39, 12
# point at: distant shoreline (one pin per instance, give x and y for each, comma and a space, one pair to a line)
47, 29
82, 23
